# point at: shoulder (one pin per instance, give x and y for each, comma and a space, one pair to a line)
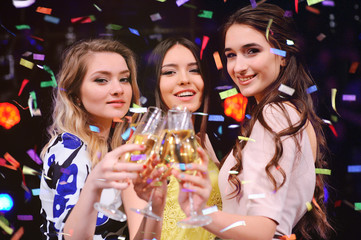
64, 147
280, 116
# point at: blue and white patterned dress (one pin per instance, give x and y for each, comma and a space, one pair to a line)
66, 167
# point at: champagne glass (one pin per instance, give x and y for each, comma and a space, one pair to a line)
147, 133
182, 145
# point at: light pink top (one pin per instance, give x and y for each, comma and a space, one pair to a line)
257, 198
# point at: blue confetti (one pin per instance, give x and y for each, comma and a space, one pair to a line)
312, 89
278, 52
353, 168
94, 128
134, 31
215, 118
51, 19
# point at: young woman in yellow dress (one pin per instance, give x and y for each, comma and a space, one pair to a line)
178, 77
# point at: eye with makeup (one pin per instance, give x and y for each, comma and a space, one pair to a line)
229, 55
168, 72
195, 70
252, 51
124, 79
100, 80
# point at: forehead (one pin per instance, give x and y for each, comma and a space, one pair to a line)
105, 60
241, 34
177, 54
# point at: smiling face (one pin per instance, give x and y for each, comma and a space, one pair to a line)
250, 62
106, 91
180, 81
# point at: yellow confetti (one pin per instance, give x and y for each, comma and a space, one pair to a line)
5, 226
29, 171
26, 63
333, 99
246, 139
268, 28
217, 60
228, 93
233, 172
323, 171
309, 206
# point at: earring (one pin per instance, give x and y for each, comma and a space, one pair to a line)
78, 102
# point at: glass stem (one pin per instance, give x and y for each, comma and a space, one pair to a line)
117, 200
192, 212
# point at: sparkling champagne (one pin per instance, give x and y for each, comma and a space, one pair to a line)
148, 140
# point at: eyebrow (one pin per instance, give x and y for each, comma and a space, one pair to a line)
248, 45
174, 65
107, 72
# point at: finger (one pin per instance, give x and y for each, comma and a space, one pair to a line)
202, 192
128, 167
117, 152
121, 176
203, 155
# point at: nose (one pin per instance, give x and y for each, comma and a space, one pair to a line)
183, 78
116, 88
240, 65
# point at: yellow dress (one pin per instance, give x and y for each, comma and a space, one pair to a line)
173, 212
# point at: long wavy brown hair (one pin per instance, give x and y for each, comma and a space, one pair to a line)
295, 75
68, 115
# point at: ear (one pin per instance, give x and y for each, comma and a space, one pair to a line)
283, 62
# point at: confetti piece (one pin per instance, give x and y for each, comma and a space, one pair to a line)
51, 19
248, 116
353, 67
348, 97
286, 89
309, 206
4, 224
328, 3
35, 191
22, 27
25, 217
253, 3
44, 10
312, 10
236, 224
278, 52
40, 57
320, 37
182, 166
210, 210
312, 89
288, 13
323, 171
215, 118
233, 126
12, 160
225, 87
233, 172
37, 38
204, 44
333, 98
138, 110
187, 190
217, 60
268, 28
246, 139
357, 206
354, 168
255, 196
296, 6
134, 31
181, 2
128, 133
25, 81
32, 95
18, 234
8, 30
311, 2
205, 14
94, 128
98, 8
26, 63
200, 113
288, 237
189, 6
32, 154
246, 181
338, 203
138, 157
155, 17
23, 3
333, 130
29, 171
290, 42
228, 93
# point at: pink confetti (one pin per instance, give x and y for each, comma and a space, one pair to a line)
25, 217
32, 154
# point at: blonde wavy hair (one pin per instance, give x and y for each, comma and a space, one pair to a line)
68, 116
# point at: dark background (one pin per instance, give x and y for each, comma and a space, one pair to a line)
329, 61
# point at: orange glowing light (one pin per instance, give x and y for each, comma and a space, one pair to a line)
9, 115
235, 106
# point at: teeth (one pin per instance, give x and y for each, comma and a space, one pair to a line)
185, 94
245, 79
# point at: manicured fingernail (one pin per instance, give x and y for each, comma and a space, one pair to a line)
182, 176
144, 166
189, 165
